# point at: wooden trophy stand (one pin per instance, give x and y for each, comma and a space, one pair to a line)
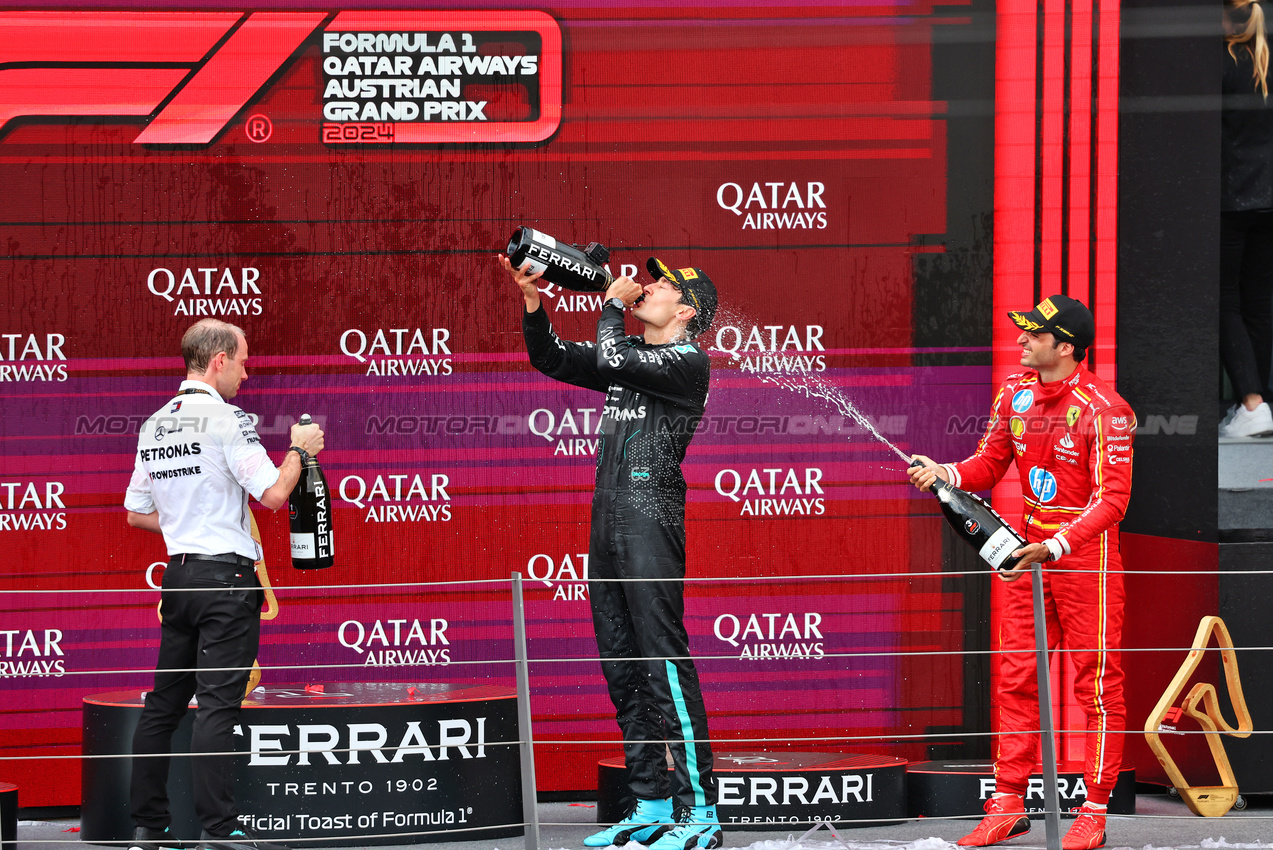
1207, 801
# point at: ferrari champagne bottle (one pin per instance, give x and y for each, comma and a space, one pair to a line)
309, 509
978, 524
562, 264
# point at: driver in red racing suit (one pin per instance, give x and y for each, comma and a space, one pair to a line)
656, 388
1071, 437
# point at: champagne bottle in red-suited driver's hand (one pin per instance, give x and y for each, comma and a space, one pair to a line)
978, 524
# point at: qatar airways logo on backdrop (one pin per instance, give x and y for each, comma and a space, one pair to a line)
781, 635
394, 643
565, 575
399, 352
570, 431
775, 205
565, 301
415, 77
773, 348
208, 291
31, 653
28, 357
28, 506
404, 497
773, 491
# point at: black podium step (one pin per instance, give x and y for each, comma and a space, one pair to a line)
8, 815
335, 765
758, 789
953, 788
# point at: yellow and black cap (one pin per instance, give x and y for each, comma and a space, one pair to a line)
697, 288
1063, 317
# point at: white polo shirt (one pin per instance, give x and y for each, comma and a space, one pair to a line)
198, 458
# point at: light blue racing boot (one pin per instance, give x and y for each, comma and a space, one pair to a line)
646, 822
696, 827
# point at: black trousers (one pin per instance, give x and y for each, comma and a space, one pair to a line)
643, 644
1246, 299
202, 630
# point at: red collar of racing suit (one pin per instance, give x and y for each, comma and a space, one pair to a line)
1044, 393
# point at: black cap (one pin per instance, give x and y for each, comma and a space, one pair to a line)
1063, 317
700, 292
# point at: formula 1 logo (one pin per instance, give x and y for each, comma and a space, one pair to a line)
189, 75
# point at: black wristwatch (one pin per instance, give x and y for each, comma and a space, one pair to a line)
618, 302
305, 456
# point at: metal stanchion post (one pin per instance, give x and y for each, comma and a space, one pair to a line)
530, 810
1051, 799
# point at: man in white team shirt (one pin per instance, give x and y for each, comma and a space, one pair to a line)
198, 459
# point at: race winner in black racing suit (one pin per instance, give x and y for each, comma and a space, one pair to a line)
656, 389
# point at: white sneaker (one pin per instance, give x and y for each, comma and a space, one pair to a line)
1248, 423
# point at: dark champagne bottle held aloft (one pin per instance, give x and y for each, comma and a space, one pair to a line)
562, 264
310, 512
978, 524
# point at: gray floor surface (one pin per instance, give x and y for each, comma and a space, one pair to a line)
1160, 822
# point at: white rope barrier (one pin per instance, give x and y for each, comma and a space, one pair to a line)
531, 823
461, 583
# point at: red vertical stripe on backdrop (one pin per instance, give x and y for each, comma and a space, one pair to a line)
1072, 718
1105, 299
1080, 267
1091, 212
1052, 147
1015, 124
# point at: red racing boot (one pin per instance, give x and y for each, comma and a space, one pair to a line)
1088, 831
1005, 818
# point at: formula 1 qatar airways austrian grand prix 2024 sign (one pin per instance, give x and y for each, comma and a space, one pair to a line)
386, 77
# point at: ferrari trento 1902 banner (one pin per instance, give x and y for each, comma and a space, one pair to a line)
339, 183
